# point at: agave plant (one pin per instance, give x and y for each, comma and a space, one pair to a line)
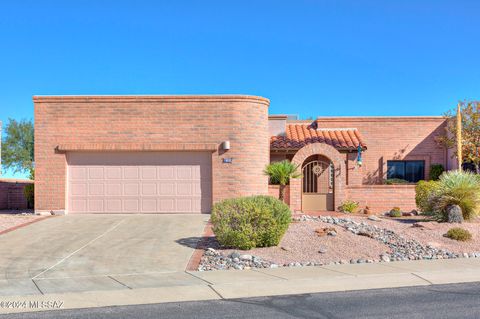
457, 188
280, 174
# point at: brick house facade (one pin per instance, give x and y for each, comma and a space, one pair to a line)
150, 154
153, 124
384, 139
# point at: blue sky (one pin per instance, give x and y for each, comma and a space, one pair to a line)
310, 58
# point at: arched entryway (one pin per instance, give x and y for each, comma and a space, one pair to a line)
318, 184
325, 156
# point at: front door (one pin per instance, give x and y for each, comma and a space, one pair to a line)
317, 186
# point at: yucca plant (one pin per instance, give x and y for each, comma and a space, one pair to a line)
457, 188
280, 174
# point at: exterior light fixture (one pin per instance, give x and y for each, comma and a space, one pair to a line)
359, 155
226, 145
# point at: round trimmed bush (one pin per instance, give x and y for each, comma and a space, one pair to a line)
457, 233
249, 222
423, 191
395, 212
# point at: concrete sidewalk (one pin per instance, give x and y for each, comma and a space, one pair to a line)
189, 286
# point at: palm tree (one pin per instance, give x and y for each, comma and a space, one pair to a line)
280, 174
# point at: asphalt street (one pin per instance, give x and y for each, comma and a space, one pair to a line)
442, 301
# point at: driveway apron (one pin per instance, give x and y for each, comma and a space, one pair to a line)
89, 252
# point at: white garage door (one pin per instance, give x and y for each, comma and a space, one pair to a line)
139, 182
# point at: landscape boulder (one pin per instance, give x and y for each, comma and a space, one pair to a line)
454, 213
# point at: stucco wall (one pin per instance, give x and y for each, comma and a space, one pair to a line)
156, 123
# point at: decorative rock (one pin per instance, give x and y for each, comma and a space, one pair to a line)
374, 218
399, 247
234, 255
454, 213
385, 258
322, 251
246, 257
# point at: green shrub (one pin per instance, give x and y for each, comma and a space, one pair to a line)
349, 206
249, 222
436, 170
393, 181
457, 188
459, 234
29, 194
395, 212
29, 191
423, 191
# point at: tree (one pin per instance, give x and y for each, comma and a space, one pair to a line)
470, 140
17, 146
280, 174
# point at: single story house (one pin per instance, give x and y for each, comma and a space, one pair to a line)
181, 154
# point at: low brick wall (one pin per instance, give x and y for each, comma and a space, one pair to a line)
11, 193
382, 198
274, 190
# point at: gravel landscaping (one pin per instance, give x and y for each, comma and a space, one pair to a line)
321, 240
12, 219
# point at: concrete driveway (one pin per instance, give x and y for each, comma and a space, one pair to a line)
98, 252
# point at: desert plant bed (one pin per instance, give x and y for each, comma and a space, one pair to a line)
323, 240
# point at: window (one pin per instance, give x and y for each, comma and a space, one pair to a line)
411, 171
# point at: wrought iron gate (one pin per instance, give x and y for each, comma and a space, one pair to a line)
317, 186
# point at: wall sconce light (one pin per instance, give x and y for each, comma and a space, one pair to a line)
359, 155
226, 145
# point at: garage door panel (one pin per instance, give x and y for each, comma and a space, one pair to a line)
131, 189
166, 173
184, 188
149, 173
166, 188
131, 205
113, 205
184, 204
184, 172
141, 182
95, 173
149, 189
78, 189
149, 205
113, 173
78, 173
131, 173
78, 205
96, 189
95, 205
166, 205
113, 189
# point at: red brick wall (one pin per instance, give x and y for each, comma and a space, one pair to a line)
138, 122
274, 190
391, 138
382, 198
11, 194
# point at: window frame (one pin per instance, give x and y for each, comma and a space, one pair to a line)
405, 162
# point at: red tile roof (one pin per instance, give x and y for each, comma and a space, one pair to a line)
299, 135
